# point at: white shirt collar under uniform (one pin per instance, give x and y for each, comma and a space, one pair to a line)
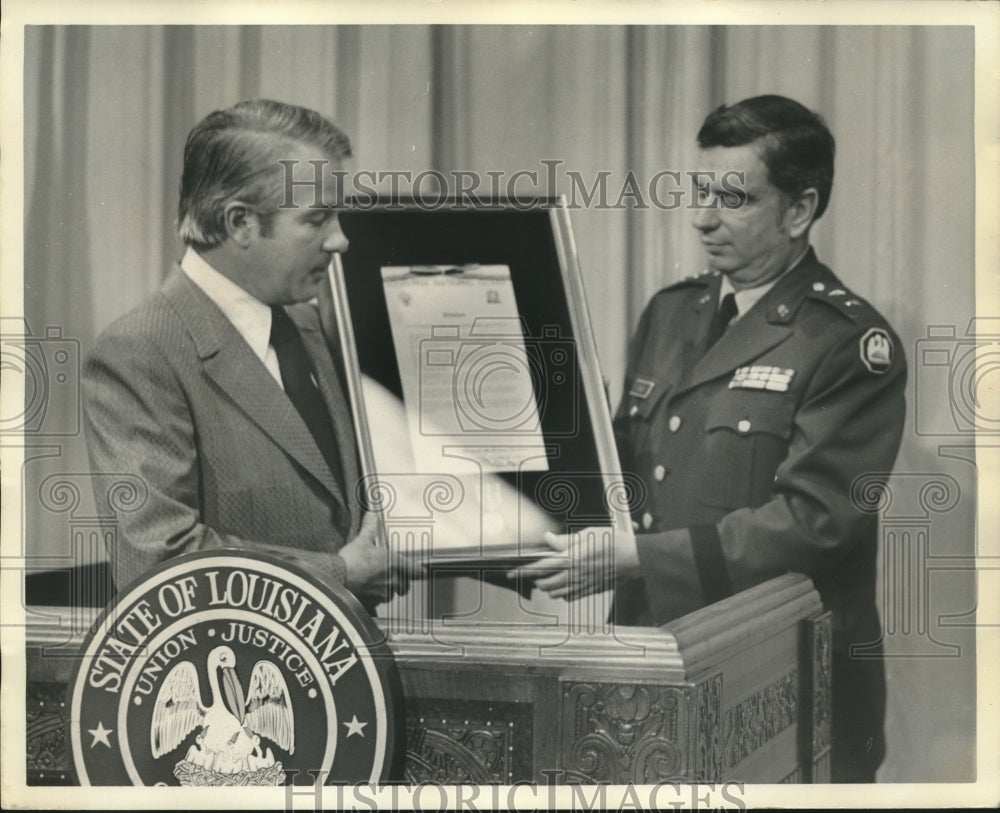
748, 297
250, 316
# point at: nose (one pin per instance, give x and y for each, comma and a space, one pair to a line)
335, 239
706, 219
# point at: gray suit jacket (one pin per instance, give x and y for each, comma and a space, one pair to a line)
174, 397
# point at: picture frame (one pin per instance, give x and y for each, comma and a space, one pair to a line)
524, 465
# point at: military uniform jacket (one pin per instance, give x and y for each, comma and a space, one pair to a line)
176, 402
751, 452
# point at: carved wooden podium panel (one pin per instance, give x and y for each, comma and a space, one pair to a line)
739, 691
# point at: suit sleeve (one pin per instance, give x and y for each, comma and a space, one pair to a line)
139, 425
848, 424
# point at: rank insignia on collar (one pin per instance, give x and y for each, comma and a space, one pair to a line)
876, 350
641, 388
762, 377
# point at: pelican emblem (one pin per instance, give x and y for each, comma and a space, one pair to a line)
227, 750
226, 668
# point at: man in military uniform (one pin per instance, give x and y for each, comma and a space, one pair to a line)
756, 396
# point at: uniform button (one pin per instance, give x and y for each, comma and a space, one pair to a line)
647, 521
819, 286
633, 411
675, 423
743, 426
659, 473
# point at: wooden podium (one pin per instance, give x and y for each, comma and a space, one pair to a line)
738, 691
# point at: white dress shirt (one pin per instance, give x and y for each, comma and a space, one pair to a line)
250, 316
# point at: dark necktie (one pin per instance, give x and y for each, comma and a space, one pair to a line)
721, 319
297, 379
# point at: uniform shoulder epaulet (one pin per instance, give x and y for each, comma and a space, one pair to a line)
842, 300
701, 279
876, 343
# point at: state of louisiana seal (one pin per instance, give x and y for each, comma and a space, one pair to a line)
229, 667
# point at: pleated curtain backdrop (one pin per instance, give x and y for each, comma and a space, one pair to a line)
107, 110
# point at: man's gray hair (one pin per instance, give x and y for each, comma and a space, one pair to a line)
233, 154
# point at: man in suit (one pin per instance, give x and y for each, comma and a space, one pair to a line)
759, 397
220, 392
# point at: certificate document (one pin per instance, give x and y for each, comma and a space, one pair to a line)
459, 510
469, 384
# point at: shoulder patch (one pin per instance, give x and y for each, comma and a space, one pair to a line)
876, 350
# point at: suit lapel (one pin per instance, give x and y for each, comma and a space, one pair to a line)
241, 377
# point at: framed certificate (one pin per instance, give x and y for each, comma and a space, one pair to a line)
473, 376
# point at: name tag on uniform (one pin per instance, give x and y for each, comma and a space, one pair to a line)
641, 388
762, 377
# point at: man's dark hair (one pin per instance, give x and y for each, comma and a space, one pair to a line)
795, 144
233, 154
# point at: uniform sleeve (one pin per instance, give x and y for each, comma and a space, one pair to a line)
139, 425
849, 423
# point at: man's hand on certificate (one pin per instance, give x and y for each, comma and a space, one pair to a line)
583, 562
375, 573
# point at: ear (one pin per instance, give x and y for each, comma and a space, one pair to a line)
802, 212
241, 223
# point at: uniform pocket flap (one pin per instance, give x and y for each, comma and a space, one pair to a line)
753, 412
